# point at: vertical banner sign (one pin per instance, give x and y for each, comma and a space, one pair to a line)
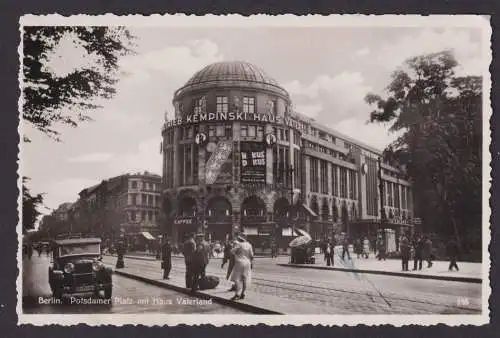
215, 162
253, 162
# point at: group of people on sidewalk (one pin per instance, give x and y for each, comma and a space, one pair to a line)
420, 249
196, 252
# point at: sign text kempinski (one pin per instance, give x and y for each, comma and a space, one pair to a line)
233, 116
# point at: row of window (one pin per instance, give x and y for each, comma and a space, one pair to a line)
346, 177
144, 185
144, 199
143, 216
392, 195
321, 134
222, 104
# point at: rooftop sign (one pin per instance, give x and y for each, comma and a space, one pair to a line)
233, 116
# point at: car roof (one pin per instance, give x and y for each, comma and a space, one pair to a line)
71, 241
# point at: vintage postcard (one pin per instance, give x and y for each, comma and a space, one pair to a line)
239, 170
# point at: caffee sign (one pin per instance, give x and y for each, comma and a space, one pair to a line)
233, 116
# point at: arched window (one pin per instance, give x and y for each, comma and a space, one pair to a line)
253, 206
218, 208
187, 207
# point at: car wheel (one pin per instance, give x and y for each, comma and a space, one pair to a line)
108, 292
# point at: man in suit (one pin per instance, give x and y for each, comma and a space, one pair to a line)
166, 256
188, 250
200, 260
404, 245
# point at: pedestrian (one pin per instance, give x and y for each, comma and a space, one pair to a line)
241, 273
345, 248
328, 254
231, 263
227, 254
428, 251
419, 253
453, 250
188, 250
404, 245
358, 248
381, 248
200, 260
274, 249
366, 247
166, 256
39, 250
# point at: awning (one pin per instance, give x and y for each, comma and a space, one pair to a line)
309, 210
147, 235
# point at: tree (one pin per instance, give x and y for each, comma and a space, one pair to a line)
31, 205
51, 98
439, 115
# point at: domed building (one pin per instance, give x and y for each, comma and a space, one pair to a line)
237, 158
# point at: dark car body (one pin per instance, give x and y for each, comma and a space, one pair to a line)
304, 254
76, 268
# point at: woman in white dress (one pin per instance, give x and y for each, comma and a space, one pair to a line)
241, 273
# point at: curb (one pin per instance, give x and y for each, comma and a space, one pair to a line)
224, 301
389, 273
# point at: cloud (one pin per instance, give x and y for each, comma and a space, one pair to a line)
375, 135
331, 99
175, 60
467, 50
146, 157
362, 52
91, 158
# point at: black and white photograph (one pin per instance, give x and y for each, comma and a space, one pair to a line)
262, 169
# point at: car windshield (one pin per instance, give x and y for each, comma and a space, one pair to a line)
80, 249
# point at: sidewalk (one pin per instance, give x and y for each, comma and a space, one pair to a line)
469, 272
143, 254
252, 303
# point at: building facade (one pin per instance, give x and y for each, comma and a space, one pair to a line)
125, 206
237, 157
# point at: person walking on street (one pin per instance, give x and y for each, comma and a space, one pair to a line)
328, 254
381, 248
188, 250
428, 251
453, 254
366, 247
358, 248
345, 248
274, 249
166, 257
200, 261
404, 245
231, 264
227, 254
241, 274
419, 252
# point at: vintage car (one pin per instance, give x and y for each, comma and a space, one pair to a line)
76, 268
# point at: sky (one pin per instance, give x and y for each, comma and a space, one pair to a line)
326, 70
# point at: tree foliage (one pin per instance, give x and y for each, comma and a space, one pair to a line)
440, 117
31, 207
51, 98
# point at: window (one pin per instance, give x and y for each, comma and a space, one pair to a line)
220, 131
251, 131
403, 198
211, 130
222, 104
132, 216
134, 199
248, 104
314, 175
198, 105
343, 182
335, 182
190, 133
134, 184
143, 216
353, 185
150, 215
260, 131
389, 193
188, 163
280, 134
244, 130
323, 176
396, 196
229, 130
297, 166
